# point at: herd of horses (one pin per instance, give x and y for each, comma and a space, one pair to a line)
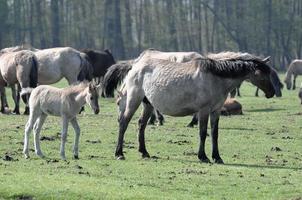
170, 83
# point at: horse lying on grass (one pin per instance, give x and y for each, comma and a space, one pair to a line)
230, 107
181, 89
67, 103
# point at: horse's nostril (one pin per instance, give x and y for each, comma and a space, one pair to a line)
96, 111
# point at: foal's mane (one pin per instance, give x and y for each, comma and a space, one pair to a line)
233, 64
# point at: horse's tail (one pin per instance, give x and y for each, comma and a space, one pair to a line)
33, 76
86, 72
114, 76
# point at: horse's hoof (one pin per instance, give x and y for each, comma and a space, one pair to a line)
26, 156
205, 160
40, 155
218, 161
145, 155
121, 157
190, 125
76, 157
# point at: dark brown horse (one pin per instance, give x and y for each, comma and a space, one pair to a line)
100, 61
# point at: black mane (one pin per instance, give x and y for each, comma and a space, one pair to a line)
233, 66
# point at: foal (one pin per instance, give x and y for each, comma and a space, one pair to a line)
67, 103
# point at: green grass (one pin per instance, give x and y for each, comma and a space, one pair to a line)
252, 170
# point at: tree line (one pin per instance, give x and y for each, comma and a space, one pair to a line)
126, 27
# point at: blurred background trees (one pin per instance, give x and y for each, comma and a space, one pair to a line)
262, 27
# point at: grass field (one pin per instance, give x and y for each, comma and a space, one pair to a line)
262, 151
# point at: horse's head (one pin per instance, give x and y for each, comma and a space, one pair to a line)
111, 60
92, 97
288, 81
261, 77
121, 101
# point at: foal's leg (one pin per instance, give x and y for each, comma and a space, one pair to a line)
203, 126
28, 127
152, 118
63, 136
214, 133
142, 123
37, 129
294, 82
76, 128
131, 107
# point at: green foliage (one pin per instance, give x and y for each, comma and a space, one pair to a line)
261, 149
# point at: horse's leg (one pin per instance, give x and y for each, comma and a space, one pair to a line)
214, 133
160, 117
2, 91
37, 129
77, 130
238, 91
131, 107
294, 82
28, 127
142, 123
194, 121
203, 125
152, 118
257, 92
63, 136
16, 98
233, 93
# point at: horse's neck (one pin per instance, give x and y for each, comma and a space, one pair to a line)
230, 84
289, 72
80, 98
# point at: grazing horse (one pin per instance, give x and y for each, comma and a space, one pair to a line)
67, 102
100, 61
20, 68
57, 63
294, 69
180, 89
114, 76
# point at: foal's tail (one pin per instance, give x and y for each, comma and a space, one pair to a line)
86, 72
33, 75
114, 76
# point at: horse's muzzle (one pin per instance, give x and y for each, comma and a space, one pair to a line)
269, 95
96, 111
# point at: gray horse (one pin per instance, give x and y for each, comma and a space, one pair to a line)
181, 89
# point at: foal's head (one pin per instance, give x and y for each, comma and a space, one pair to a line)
261, 77
92, 97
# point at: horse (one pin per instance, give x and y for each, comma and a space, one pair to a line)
57, 63
181, 89
20, 67
47, 100
100, 61
294, 69
230, 107
112, 80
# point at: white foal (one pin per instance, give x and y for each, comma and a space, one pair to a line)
67, 103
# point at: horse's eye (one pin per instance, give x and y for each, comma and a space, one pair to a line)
91, 98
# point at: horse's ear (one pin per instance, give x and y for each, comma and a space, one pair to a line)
108, 51
266, 60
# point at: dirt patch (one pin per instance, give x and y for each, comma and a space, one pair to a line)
189, 153
193, 171
179, 142
23, 197
8, 157
93, 141
48, 138
276, 149
52, 161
